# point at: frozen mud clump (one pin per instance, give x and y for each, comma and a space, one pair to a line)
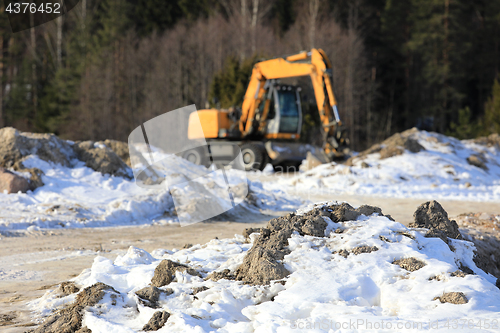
458, 273
149, 296
68, 288
69, 320
157, 321
224, 274
197, 290
477, 160
248, 231
364, 249
165, 272
410, 264
262, 263
432, 216
453, 298
101, 158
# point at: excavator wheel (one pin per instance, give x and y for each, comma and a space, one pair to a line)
254, 156
196, 156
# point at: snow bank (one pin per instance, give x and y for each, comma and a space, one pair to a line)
327, 289
78, 196
447, 168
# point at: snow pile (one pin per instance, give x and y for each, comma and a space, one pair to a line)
78, 197
367, 273
446, 168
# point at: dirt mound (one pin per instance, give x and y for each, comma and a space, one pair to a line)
392, 146
489, 141
404, 139
410, 264
157, 321
165, 272
432, 216
101, 158
262, 263
453, 298
482, 230
150, 296
120, 148
69, 320
15, 145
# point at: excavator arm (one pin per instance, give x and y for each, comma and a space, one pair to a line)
314, 64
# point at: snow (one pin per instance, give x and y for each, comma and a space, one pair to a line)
325, 292
80, 197
441, 171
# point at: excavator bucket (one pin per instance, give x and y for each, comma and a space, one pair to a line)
313, 159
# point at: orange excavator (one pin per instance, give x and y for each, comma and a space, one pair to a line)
267, 127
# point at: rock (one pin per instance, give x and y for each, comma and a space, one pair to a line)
151, 295
410, 264
165, 272
432, 216
119, 148
477, 160
101, 159
12, 183
69, 320
187, 246
453, 298
157, 321
497, 284
364, 249
68, 288
15, 145
365, 165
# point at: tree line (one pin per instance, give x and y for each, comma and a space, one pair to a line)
108, 65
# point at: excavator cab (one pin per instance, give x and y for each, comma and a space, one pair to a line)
284, 114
